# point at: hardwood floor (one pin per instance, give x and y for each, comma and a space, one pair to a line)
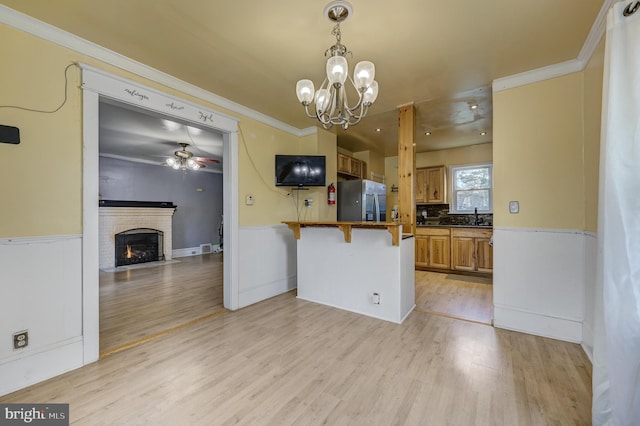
458, 296
288, 361
146, 300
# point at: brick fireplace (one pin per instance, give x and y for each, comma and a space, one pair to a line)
128, 218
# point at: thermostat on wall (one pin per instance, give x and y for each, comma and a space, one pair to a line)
514, 207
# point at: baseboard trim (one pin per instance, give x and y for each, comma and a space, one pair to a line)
540, 325
266, 291
194, 251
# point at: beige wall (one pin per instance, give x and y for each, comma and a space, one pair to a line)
259, 145
482, 153
538, 154
41, 177
593, 75
44, 172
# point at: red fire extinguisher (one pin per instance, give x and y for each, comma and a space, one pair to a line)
331, 194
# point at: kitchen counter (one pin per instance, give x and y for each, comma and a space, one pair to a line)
456, 226
356, 266
395, 229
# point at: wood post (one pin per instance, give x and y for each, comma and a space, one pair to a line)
406, 165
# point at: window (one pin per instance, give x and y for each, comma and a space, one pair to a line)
471, 188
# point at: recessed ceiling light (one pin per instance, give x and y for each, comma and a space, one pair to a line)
427, 133
474, 106
171, 125
378, 129
483, 133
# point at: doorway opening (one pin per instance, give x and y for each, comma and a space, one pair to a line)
98, 87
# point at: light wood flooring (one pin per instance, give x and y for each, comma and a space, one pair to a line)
460, 296
145, 300
288, 361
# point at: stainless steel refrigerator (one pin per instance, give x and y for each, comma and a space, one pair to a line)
362, 201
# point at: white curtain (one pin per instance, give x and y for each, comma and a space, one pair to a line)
616, 368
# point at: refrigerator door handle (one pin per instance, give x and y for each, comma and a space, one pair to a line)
376, 206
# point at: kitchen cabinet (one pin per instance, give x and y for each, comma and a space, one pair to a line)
484, 255
421, 186
470, 250
430, 185
350, 167
432, 248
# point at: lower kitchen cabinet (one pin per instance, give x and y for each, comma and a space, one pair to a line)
432, 248
471, 251
463, 253
484, 255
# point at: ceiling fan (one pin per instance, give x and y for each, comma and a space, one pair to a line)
185, 160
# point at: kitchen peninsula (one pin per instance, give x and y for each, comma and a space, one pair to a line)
362, 267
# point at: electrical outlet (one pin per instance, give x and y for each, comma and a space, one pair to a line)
308, 202
21, 339
375, 298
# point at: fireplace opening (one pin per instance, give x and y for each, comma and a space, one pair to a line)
139, 245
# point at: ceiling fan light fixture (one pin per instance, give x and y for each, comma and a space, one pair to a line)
183, 159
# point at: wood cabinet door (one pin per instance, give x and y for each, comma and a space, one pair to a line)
435, 185
439, 252
484, 255
355, 167
421, 186
344, 163
462, 253
422, 253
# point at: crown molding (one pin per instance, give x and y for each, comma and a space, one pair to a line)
598, 29
557, 70
539, 74
37, 28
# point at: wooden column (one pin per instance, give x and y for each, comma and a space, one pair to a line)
406, 165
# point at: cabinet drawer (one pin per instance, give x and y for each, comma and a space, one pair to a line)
471, 232
432, 231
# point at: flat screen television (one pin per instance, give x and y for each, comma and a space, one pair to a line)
300, 170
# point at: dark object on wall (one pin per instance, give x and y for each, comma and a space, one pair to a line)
119, 203
9, 134
300, 170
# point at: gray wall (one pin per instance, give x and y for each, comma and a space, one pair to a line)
198, 215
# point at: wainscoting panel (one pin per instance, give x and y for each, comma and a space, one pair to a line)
267, 262
41, 292
539, 282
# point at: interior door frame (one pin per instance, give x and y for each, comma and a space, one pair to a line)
97, 83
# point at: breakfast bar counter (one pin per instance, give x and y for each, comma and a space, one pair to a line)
362, 267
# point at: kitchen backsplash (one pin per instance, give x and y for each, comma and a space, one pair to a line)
438, 214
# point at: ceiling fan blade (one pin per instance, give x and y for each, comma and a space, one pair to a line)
207, 160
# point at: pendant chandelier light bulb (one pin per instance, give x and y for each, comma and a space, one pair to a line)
330, 101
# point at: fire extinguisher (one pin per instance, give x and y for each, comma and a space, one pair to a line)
331, 194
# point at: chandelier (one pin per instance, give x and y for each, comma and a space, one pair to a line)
183, 159
330, 100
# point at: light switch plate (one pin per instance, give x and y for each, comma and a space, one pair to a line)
514, 207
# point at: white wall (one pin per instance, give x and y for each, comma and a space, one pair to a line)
267, 263
538, 279
42, 292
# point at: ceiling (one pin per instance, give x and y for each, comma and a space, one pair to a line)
441, 56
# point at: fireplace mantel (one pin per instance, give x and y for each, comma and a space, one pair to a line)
113, 220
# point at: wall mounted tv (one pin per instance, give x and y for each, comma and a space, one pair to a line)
300, 170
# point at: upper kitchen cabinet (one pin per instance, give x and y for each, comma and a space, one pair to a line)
430, 185
350, 167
